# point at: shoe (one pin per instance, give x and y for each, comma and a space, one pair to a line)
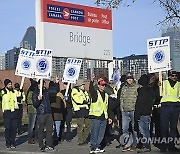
126, 149
42, 149
20, 132
68, 140
8, 147
92, 151
99, 150
142, 150
31, 142
133, 148
48, 148
118, 146
13, 147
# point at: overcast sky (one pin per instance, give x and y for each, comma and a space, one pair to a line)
132, 26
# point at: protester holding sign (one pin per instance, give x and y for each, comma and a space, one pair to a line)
98, 114
44, 116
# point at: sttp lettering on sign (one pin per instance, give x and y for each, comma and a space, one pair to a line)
72, 30
158, 54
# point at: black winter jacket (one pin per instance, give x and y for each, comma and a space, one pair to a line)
144, 103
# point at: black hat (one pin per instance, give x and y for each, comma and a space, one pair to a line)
129, 76
16, 85
144, 80
123, 78
6, 82
170, 72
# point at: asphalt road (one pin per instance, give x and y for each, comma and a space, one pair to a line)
63, 148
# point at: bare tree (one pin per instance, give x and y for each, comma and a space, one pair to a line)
171, 8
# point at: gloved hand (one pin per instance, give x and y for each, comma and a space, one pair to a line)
66, 98
85, 102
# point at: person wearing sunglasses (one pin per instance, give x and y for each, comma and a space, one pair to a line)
98, 114
169, 114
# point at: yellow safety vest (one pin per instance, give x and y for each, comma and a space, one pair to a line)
99, 107
170, 94
9, 100
19, 94
78, 96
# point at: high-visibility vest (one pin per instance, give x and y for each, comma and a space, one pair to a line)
78, 97
99, 107
20, 94
9, 100
170, 94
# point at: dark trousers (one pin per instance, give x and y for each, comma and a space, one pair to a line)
45, 121
83, 129
20, 115
155, 122
68, 122
169, 119
10, 124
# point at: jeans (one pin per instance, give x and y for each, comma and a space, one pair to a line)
31, 125
45, 121
128, 117
169, 118
98, 128
144, 127
10, 124
57, 129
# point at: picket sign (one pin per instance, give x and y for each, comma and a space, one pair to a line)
41, 86
67, 89
160, 80
22, 82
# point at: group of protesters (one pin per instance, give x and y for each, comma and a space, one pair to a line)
137, 109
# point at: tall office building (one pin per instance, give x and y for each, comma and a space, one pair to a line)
28, 42
11, 58
136, 64
174, 34
29, 39
2, 61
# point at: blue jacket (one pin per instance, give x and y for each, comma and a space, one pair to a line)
43, 106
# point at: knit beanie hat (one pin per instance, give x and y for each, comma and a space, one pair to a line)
144, 80
6, 82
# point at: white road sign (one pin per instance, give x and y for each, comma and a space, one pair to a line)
72, 30
72, 69
25, 64
158, 54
